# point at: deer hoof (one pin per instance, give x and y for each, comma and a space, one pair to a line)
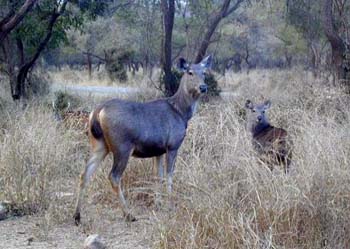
77, 219
129, 217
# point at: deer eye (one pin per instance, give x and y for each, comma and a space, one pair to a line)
263, 112
253, 110
190, 73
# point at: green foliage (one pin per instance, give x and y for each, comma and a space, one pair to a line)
115, 64
305, 16
176, 79
92, 8
293, 41
213, 87
116, 71
38, 84
34, 27
61, 100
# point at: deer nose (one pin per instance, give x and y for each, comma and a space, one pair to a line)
203, 88
259, 118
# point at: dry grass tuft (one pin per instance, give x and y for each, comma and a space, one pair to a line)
38, 158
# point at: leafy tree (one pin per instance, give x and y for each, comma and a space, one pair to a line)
293, 43
323, 20
227, 7
305, 16
44, 28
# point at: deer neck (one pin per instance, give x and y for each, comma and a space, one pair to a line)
259, 128
183, 103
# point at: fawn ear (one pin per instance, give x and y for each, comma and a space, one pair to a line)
267, 104
249, 104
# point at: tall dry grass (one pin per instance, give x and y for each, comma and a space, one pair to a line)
38, 160
225, 197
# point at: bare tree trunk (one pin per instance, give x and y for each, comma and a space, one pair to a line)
315, 59
288, 58
89, 64
20, 50
337, 44
23, 71
246, 57
7, 46
168, 9
224, 11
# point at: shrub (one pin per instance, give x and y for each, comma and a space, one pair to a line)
176, 78
115, 65
213, 85
38, 84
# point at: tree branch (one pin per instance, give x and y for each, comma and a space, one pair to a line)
94, 55
119, 6
328, 26
225, 10
15, 19
7, 18
233, 8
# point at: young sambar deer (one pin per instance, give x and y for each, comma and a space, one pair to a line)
143, 130
272, 143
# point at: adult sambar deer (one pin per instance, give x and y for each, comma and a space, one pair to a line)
272, 143
150, 129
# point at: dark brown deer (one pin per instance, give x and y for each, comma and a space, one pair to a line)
143, 130
272, 144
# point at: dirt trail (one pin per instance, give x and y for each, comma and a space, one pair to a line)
30, 231
117, 90
96, 89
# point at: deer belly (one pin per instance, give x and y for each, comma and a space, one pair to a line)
148, 150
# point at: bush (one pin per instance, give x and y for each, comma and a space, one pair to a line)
115, 65
176, 79
213, 85
38, 84
116, 71
62, 102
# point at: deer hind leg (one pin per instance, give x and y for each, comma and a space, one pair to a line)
287, 162
160, 168
99, 153
119, 164
170, 160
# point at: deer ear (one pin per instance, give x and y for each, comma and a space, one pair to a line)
267, 104
206, 62
182, 64
249, 104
